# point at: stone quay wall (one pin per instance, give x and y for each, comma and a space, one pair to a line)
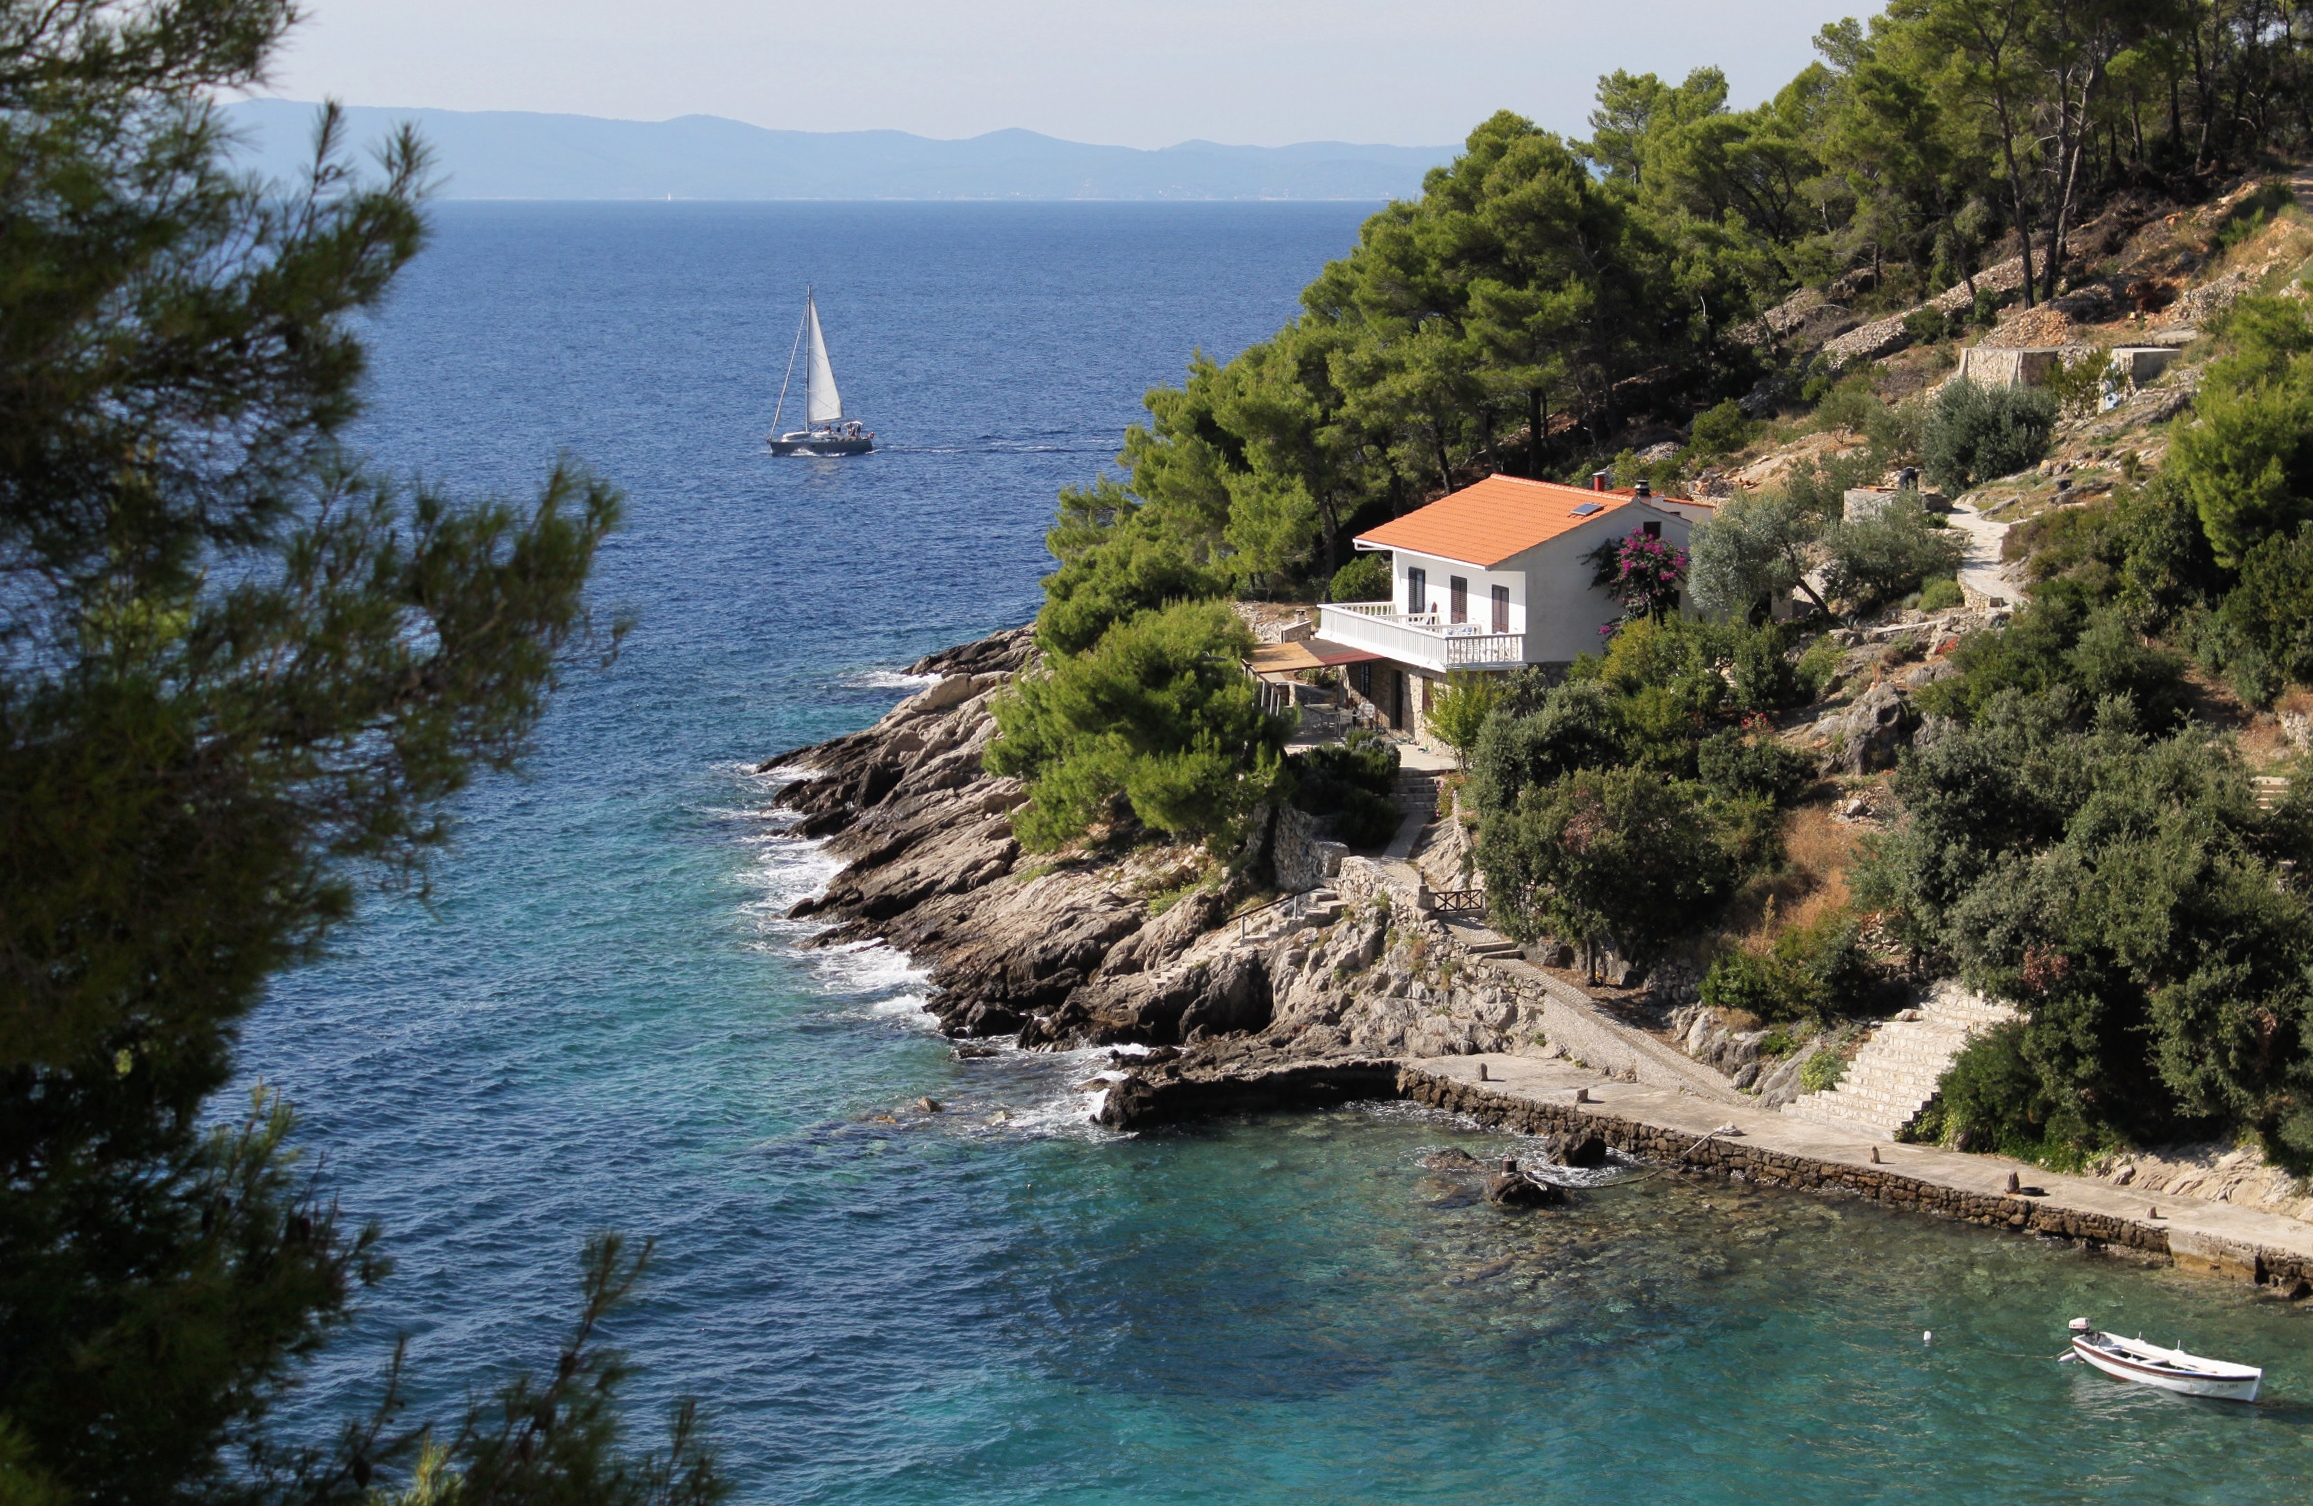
1735, 1158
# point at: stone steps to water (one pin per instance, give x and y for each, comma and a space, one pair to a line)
1899, 1069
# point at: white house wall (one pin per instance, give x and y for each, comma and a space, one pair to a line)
1551, 598
1570, 611
1440, 584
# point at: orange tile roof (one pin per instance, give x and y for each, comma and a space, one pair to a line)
1496, 519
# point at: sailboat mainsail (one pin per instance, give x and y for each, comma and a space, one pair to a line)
822, 404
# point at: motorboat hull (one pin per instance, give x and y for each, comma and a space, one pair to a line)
2168, 1369
804, 444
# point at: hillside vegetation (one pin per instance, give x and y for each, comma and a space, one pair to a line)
2080, 797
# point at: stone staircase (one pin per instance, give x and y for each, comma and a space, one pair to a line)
1416, 793
1311, 907
1895, 1074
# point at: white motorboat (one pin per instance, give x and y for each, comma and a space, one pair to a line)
826, 431
2169, 1369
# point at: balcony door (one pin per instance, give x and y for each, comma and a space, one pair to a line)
1417, 591
1501, 609
1458, 597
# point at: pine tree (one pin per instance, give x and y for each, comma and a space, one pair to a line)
239, 678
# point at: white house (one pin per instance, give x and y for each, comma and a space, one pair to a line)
1491, 577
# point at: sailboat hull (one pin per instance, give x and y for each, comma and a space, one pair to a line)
806, 444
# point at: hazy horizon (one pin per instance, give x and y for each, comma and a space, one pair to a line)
1146, 75
513, 154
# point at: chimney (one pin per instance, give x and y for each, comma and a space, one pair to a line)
1598, 480
1645, 488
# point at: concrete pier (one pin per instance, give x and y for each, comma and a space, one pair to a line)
1666, 1126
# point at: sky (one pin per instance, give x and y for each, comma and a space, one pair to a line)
1142, 73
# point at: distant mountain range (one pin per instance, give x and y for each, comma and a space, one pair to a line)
503, 154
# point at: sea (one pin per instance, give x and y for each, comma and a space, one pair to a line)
600, 1019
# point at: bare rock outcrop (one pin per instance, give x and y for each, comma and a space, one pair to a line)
1307, 999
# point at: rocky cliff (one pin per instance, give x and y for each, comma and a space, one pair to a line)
1150, 944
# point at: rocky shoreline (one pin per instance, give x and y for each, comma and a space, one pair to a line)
1309, 1000
1146, 945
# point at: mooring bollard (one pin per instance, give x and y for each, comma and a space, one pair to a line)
1875, 1155
2013, 1184
1582, 1095
1482, 1072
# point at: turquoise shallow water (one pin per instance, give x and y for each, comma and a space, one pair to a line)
603, 1022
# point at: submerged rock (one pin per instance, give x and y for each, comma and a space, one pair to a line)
1585, 1151
1515, 1189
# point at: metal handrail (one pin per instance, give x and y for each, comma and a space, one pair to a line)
1299, 902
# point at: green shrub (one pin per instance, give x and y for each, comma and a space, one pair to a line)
1925, 326
1365, 578
1852, 405
2270, 615
1759, 668
1721, 430
1809, 972
1579, 726
1821, 1072
1759, 766
2060, 640
2077, 385
1621, 854
1992, 1100
2246, 459
1458, 715
1895, 430
1941, 594
1158, 716
1817, 666
1350, 782
1885, 556
1976, 433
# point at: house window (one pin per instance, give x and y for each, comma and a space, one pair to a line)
1417, 592
1361, 679
1458, 596
1653, 530
1501, 609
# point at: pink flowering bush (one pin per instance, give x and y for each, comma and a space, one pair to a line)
1642, 573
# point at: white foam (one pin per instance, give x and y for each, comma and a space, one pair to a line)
887, 679
868, 967
908, 1009
786, 871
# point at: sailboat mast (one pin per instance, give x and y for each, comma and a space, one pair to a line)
790, 372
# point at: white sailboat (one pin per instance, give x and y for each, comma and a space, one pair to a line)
825, 431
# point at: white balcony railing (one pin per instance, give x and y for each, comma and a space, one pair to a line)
1424, 639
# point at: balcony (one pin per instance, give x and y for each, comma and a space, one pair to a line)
1423, 639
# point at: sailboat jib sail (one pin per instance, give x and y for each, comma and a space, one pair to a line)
825, 430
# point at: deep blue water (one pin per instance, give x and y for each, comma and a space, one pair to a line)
602, 1022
